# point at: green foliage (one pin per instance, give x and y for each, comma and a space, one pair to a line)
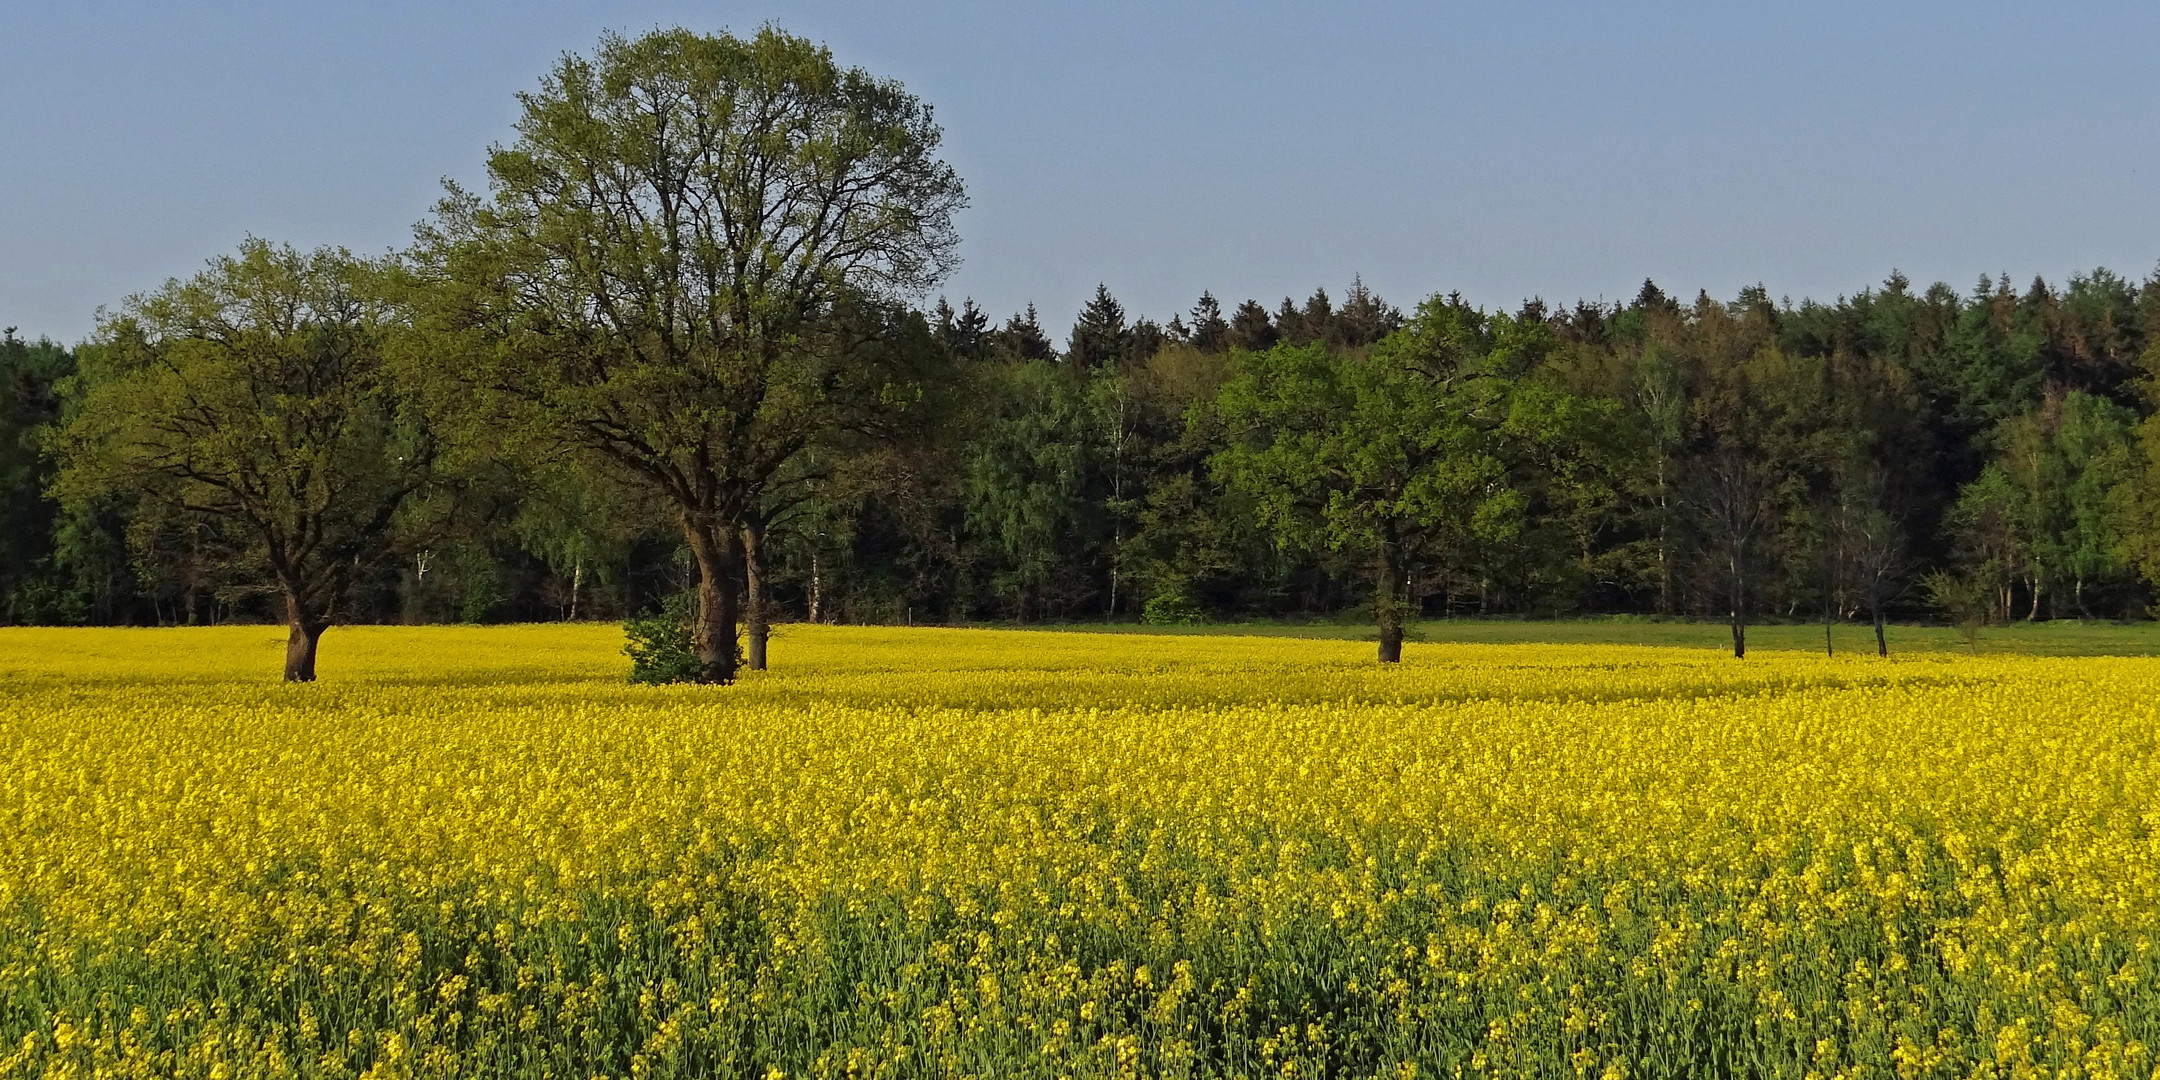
1027, 476
482, 590
249, 414
678, 265
31, 376
1394, 457
1172, 609
1969, 599
662, 645
2066, 461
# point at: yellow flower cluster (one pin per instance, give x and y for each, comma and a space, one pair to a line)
478, 853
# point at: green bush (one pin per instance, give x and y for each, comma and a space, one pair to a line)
662, 647
1969, 600
1172, 609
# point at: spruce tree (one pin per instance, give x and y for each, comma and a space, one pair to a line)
1208, 332
1364, 317
1022, 338
1099, 335
965, 334
1251, 329
1290, 328
1147, 338
1318, 319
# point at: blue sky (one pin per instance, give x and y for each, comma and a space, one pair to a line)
1503, 150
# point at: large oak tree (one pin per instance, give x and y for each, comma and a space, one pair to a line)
660, 274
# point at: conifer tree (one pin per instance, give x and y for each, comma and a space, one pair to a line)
1251, 329
1365, 318
1099, 336
966, 333
1022, 338
1208, 332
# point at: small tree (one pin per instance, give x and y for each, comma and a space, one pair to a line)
1987, 524
1878, 559
1969, 600
30, 377
1395, 457
253, 402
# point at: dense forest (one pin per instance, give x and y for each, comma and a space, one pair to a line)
458, 433
1615, 458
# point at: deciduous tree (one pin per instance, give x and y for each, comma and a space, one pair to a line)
655, 273
255, 403
1393, 457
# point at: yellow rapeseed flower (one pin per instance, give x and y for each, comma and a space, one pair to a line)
478, 852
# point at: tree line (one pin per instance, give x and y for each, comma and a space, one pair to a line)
677, 349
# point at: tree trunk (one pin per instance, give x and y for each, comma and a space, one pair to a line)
817, 589
1664, 593
1387, 605
2033, 614
1882, 642
304, 632
714, 634
1739, 607
1112, 610
577, 581
1830, 598
2077, 591
754, 625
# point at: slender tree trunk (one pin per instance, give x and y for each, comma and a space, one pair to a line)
2077, 590
754, 625
1882, 642
1830, 591
1739, 605
714, 633
817, 589
304, 632
1664, 595
1387, 604
2033, 614
577, 579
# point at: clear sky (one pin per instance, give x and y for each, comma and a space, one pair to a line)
1500, 149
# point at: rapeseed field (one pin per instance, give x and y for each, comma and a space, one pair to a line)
903, 853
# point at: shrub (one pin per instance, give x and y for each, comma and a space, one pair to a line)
1172, 609
662, 648
1969, 601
